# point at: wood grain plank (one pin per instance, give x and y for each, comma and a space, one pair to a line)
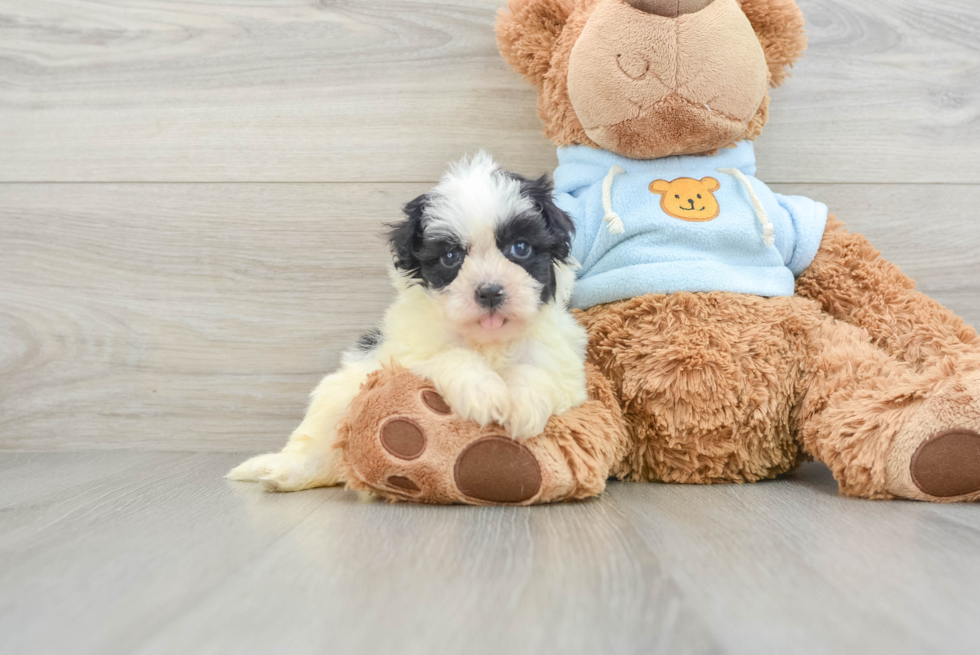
272, 91
888, 92
159, 555
170, 544
199, 317
369, 90
795, 567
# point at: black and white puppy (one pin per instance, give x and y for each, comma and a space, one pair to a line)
483, 275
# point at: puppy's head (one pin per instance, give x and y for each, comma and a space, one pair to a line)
489, 246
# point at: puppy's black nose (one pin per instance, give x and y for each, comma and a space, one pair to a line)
490, 295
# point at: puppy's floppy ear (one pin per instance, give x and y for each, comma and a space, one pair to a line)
559, 223
527, 32
779, 25
405, 238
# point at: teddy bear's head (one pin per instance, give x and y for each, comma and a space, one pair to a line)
652, 78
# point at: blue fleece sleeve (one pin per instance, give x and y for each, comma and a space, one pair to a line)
581, 241
809, 221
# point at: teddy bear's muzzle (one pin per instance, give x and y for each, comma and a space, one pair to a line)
646, 86
673, 126
669, 8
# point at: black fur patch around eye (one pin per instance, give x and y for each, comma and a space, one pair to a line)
540, 265
435, 274
546, 228
418, 256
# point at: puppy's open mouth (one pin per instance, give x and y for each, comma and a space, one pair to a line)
491, 322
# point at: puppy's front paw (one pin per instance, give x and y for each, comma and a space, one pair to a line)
529, 415
483, 399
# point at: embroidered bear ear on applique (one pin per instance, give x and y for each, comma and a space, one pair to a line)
689, 199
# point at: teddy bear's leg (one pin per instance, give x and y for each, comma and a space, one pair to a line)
402, 441
706, 382
854, 284
885, 429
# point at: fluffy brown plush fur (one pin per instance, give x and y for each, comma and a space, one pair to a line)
857, 370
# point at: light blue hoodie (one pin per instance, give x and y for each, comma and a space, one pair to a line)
640, 247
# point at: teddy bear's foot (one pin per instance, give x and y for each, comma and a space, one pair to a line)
936, 456
402, 441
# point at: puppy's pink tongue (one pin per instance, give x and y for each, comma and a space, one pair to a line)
491, 321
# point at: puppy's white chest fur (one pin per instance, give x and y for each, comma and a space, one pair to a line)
518, 383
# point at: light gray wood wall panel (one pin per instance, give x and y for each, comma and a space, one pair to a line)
199, 316
889, 92
152, 553
181, 316
367, 90
289, 90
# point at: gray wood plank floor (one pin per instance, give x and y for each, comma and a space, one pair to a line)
144, 553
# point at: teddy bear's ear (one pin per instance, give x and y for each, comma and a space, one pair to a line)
779, 25
526, 34
660, 186
710, 184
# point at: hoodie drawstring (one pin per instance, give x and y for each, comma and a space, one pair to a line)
613, 220
767, 229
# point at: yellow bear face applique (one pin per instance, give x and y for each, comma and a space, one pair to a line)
689, 199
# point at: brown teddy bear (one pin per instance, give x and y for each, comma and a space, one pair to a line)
733, 332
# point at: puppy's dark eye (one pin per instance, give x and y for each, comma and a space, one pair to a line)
678, 197
699, 196
520, 250
452, 258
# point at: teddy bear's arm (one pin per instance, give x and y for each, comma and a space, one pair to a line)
853, 283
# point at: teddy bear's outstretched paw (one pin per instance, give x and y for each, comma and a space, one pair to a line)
402, 441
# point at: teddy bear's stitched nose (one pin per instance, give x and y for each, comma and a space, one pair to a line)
669, 8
